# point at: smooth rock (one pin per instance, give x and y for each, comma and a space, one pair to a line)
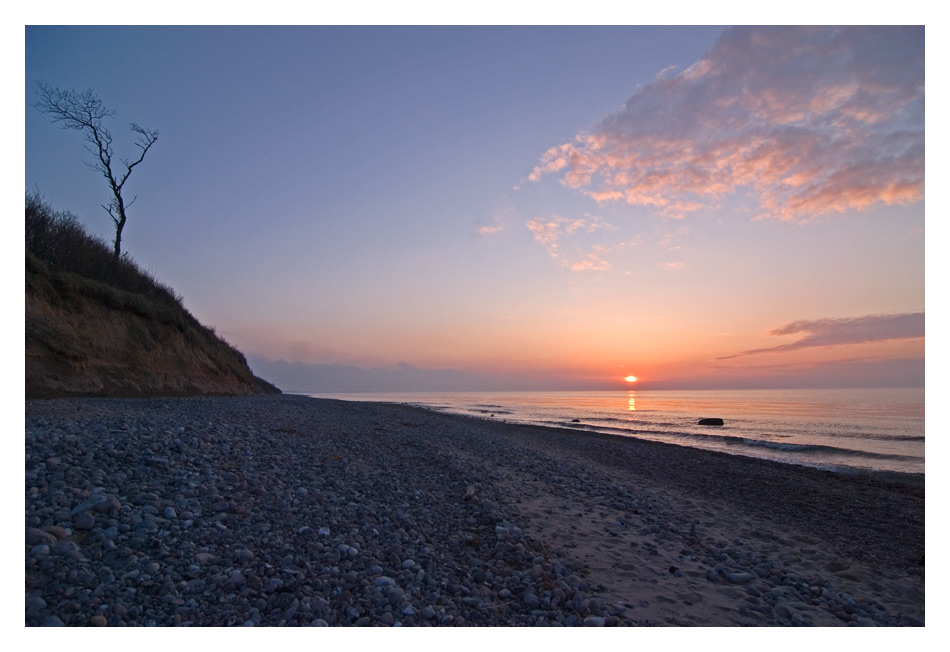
34, 604
740, 578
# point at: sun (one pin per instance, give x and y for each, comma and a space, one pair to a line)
631, 379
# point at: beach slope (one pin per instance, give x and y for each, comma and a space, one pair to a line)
286, 510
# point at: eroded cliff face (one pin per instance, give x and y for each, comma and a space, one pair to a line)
77, 344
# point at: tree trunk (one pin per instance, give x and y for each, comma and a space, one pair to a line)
119, 225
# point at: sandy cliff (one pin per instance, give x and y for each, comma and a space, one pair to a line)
87, 339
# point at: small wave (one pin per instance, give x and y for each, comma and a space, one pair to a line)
879, 437
777, 445
818, 449
780, 446
733, 442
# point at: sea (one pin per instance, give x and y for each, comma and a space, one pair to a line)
845, 430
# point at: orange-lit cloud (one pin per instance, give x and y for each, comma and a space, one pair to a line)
849, 330
808, 121
502, 212
488, 230
593, 261
550, 231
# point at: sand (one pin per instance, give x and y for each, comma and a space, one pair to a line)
857, 535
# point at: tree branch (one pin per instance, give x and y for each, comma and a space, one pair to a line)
84, 112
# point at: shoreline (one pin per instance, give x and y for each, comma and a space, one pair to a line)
760, 486
451, 520
884, 476
748, 430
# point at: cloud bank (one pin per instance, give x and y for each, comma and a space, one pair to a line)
849, 330
304, 377
808, 121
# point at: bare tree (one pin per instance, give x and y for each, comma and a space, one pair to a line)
84, 112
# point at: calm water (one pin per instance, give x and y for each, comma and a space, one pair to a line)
844, 430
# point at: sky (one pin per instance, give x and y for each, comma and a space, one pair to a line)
493, 208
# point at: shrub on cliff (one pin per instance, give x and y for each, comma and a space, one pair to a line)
68, 263
95, 327
63, 245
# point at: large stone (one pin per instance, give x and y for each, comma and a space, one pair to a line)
35, 536
710, 421
56, 531
739, 577
84, 521
35, 604
109, 505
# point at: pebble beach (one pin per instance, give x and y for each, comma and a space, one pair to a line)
293, 511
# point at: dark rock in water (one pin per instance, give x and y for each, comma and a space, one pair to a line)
575, 420
714, 421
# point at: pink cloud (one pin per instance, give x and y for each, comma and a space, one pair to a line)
593, 262
488, 230
502, 212
552, 230
810, 121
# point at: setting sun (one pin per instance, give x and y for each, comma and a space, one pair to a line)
631, 379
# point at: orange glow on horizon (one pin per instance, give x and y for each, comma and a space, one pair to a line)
631, 379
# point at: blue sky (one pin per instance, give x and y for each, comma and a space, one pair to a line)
344, 200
